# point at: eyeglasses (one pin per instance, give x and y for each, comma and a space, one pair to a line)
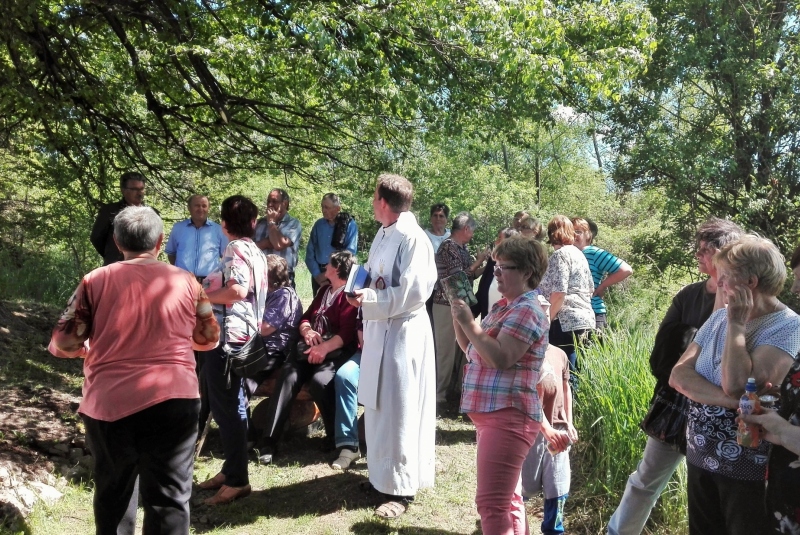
498, 269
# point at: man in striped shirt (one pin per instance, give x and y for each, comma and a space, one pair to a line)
606, 268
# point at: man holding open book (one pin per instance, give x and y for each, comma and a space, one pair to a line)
397, 378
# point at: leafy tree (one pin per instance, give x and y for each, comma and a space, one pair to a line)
714, 120
259, 84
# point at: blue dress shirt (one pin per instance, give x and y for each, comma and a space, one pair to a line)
196, 250
319, 249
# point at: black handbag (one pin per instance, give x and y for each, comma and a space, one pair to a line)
248, 359
302, 347
339, 236
666, 418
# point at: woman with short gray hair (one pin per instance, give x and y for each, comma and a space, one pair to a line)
135, 323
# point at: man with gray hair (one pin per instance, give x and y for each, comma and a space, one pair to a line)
278, 232
451, 258
335, 231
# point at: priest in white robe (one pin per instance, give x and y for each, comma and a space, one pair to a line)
397, 385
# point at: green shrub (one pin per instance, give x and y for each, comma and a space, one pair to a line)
48, 277
614, 394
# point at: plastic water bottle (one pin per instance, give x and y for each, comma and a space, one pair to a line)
747, 435
554, 450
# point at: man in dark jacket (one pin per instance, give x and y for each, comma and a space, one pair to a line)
102, 238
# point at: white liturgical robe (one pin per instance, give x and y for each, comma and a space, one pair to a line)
397, 385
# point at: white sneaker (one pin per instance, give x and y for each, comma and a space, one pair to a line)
346, 457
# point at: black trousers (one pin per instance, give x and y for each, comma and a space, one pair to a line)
566, 341
295, 374
153, 450
228, 404
722, 505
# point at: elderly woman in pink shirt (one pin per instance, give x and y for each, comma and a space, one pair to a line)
504, 354
136, 323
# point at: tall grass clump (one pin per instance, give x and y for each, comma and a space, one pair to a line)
47, 277
613, 396
615, 390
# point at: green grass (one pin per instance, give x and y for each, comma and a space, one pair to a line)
613, 397
47, 277
301, 494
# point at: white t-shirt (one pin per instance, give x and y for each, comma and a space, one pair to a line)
436, 241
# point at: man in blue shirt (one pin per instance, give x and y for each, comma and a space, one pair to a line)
196, 244
320, 242
278, 232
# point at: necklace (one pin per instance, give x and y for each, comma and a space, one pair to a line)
775, 308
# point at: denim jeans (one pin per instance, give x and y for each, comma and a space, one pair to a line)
644, 486
553, 522
346, 386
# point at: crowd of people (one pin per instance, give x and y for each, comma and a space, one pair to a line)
158, 340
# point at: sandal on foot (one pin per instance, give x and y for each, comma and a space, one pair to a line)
214, 483
391, 509
228, 494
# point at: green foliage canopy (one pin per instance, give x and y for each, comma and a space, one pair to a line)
714, 120
263, 84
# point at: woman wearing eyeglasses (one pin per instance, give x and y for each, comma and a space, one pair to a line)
504, 354
568, 286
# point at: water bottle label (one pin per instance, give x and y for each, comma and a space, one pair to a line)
747, 406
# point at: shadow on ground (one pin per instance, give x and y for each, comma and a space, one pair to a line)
320, 496
378, 527
447, 437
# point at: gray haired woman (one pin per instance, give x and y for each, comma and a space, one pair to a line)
135, 323
755, 336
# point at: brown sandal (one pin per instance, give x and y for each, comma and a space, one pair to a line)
228, 494
214, 483
391, 509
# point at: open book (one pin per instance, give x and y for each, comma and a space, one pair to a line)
458, 286
357, 279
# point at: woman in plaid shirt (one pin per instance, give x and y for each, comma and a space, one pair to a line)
504, 354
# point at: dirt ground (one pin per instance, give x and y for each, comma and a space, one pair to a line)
37, 406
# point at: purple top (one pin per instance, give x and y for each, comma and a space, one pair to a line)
283, 311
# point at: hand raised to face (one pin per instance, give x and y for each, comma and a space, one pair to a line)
740, 303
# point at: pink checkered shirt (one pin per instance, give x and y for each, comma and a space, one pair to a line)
487, 389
